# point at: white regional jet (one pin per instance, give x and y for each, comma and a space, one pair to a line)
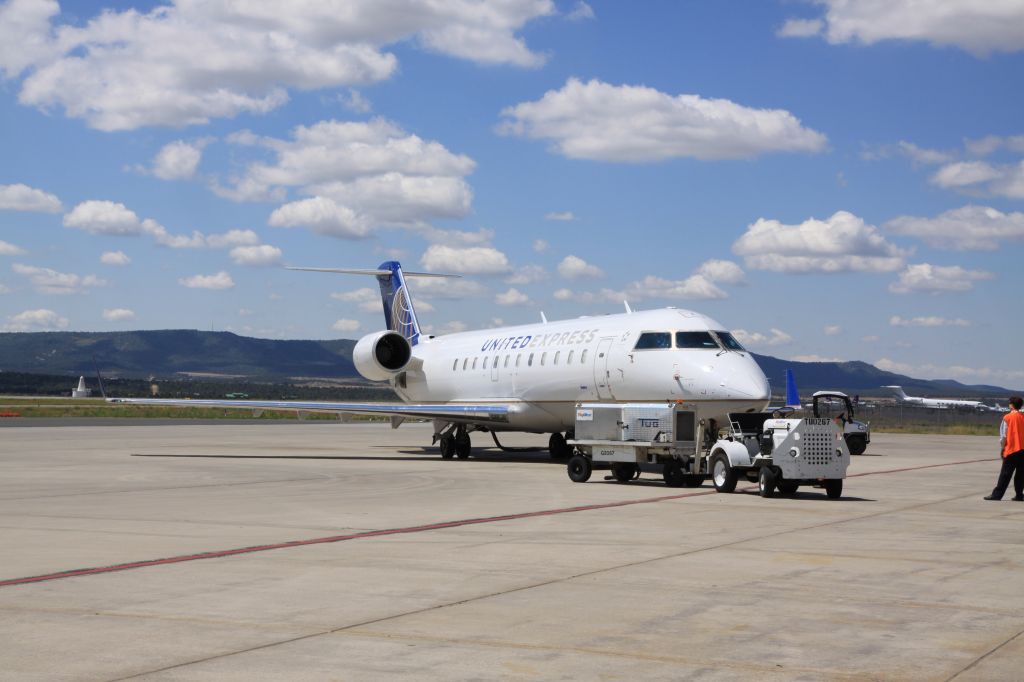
529, 378
936, 403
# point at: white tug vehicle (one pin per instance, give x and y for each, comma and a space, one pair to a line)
780, 454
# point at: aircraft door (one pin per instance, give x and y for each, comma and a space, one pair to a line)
602, 377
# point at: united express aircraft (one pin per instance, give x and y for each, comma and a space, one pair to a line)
529, 378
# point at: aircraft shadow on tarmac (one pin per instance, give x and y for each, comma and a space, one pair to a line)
426, 455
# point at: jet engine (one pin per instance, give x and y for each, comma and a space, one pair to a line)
381, 355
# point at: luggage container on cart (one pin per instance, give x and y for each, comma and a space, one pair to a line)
632, 437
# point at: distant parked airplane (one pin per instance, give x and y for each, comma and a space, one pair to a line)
936, 403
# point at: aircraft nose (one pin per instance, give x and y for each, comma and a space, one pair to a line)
746, 380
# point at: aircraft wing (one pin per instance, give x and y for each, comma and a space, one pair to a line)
496, 413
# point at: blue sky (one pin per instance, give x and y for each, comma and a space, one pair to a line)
833, 180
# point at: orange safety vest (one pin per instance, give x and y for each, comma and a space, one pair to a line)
1014, 432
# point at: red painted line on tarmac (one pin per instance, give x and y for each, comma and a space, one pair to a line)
397, 531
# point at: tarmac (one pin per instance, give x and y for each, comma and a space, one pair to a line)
328, 551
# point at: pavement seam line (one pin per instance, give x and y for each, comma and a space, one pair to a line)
218, 554
984, 656
523, 588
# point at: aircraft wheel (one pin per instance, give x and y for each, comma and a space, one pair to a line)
834, 488
673, 474
722, 474
558, 448
856, 444
463, 446
693, 480
624, 472
766, 482
447, 446
579, 469
788, 487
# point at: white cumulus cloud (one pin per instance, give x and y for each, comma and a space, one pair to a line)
599, 121
185, 62
115, 258
367, 299
49, 281
574, 267
977, 27
928, 321
937, 279
694, 287
560, 215
8, 249
345, 325
220, 280
833, 330
724, 271
264, 254
774, 337
540, 246
480, 260
118, 315
178, 160
40, 320
969, 228
21, 197
800, 28
512, 297
840, 243
527, 274
357, 175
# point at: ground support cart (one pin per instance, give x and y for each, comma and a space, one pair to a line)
632, 437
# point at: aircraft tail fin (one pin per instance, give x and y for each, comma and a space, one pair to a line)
792, 396
399, 314
898, 390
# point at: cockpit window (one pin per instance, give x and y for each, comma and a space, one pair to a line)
653, 340
729, 341
695, 340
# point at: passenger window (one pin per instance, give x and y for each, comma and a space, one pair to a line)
485, 362
543, 357
583, 356
529, 360
474, 363
557, 353
465, 361
455, 364
653, 341
495, 363
695, 340
506, 361
518, 358
568, 360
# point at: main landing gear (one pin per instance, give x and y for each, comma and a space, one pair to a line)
456, 444
558, 448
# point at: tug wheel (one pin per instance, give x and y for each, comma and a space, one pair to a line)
766, 482
579, 469
722, 474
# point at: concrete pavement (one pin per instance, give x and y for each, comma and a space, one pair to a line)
911, 576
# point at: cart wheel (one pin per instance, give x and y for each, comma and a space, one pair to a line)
856, 444
624, 472
579, 469
834, 488
766, 482
693, 480
722, 474
788, 487
674, 476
